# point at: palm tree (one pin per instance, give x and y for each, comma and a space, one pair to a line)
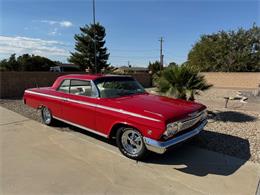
155, 71
182, 82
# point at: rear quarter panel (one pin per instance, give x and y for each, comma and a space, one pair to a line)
37, 101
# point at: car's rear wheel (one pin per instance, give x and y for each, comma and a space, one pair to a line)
130, 143
46, 115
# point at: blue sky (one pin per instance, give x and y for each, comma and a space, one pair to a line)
47, 27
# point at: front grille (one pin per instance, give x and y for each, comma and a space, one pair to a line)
183, 131
188, 129
185, 124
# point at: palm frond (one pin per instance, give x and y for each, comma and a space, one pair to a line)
180, 81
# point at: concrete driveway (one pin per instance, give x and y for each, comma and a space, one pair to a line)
36, 159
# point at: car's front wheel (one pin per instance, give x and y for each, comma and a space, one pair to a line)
46, 115
130, 143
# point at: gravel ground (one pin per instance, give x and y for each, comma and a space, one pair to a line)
214, 98
232, 132
19, 107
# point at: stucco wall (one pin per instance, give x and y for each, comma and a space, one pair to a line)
242, 80
13, 84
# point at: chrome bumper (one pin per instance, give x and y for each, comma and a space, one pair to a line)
161, 147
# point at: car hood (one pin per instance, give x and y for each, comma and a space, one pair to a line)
159, 107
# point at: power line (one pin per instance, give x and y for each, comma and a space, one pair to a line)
139, 57
134, 50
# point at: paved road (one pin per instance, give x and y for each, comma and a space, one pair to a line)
36, 159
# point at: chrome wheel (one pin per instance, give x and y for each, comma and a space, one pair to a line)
132, 141
46, 115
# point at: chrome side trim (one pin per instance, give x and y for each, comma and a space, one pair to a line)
94, 105
82, 127
161, 147
45, 95
127, 113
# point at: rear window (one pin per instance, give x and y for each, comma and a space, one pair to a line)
65, 86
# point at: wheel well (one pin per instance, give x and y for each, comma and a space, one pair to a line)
114, 129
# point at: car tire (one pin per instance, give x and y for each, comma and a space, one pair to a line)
130, 143
46, 116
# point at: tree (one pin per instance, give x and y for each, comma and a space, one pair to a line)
154, 67
84, 56
182, 82
155, 70
26, 62
10, 63
172, 64
233, 51
3, 65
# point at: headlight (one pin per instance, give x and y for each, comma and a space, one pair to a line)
172, 128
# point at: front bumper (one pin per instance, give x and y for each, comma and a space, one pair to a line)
160, 147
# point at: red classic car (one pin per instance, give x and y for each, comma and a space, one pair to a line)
119, 107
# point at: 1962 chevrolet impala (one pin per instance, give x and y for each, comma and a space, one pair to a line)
118, 107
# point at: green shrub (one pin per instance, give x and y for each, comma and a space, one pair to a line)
181, 82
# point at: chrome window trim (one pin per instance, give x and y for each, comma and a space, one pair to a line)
93, 86
96, 89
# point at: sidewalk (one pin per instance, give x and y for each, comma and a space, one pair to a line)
36, 159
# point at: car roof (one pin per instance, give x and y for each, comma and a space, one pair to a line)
60, 79
89, 76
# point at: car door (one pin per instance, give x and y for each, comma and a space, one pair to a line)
58, 101
79, 106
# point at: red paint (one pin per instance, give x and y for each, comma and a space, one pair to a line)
153, 112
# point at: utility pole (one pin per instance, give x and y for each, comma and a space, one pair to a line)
161, 53
95, 46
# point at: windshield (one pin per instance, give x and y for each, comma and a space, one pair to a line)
110, 87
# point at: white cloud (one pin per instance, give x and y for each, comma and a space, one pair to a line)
22, 45
63, 23
50, 22
54, 32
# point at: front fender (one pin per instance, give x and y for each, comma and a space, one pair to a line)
150, 129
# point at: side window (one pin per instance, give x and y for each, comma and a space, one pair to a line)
65, 86
79, 87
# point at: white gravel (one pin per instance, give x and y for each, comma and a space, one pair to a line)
232, 132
